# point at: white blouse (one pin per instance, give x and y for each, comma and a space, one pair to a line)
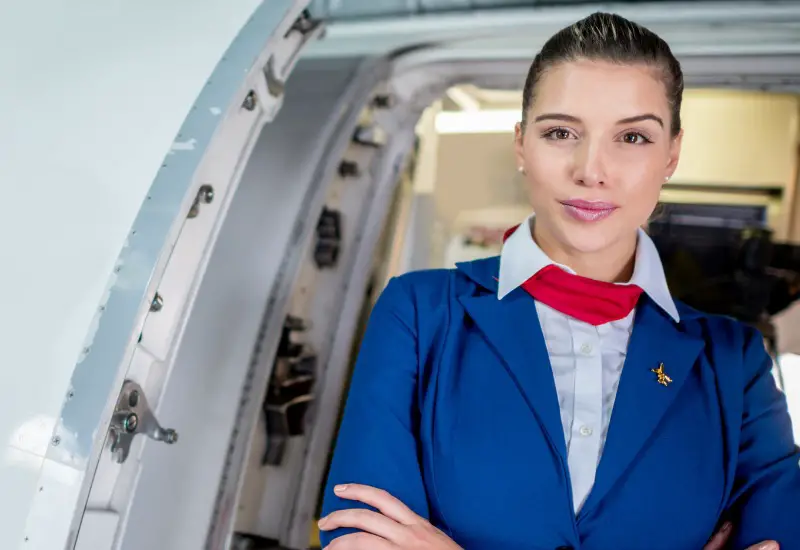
586, 359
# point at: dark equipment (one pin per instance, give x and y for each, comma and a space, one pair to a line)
721, 259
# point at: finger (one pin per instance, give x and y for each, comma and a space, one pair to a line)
363, 520
389, 506
766, 545
360, 541
719, 539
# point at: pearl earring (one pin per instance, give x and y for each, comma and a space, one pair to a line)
521, 170
666, 179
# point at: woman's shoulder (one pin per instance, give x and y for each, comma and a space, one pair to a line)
716, 328
430, 287
731, 344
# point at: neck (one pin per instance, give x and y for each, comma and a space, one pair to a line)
613, 264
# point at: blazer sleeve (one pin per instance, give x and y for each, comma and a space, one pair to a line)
377, 444
767, 485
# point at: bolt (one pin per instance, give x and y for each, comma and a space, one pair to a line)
170, 436
56, 441
131, 423
206, 193
249, 102
157, 303
133, 398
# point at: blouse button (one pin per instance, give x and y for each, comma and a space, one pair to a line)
586, 349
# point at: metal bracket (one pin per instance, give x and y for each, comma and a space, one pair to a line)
205, 195
289, 393
269, 89
133, 416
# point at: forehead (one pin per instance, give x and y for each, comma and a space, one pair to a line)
597, 90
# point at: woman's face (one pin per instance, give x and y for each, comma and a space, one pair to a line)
596, 150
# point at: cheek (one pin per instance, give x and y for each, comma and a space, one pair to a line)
546, 172
640, 197
639, 176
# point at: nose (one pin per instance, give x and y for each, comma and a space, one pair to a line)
588, 164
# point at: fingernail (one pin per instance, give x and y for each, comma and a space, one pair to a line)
726, 527
772, 545
340, 489
322, 521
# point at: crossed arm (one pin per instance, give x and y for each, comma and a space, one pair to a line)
393, 526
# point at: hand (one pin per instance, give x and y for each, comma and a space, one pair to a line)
719, 539
396, 527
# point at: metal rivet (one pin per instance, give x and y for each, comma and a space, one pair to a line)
249, 102
56, 440
206, 193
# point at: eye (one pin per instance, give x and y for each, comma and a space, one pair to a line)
635, 138
557, 134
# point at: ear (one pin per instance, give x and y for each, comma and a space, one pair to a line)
519, 144
674, 154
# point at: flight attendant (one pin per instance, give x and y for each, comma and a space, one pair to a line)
480, 411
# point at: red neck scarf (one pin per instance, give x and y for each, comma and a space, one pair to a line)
588, 300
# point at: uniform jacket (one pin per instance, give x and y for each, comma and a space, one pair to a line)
452, 409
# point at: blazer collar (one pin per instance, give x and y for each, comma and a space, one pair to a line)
521, 258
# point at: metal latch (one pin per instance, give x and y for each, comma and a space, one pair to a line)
133, 416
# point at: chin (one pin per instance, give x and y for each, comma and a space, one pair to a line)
589, 238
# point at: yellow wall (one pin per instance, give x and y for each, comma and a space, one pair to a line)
739, 138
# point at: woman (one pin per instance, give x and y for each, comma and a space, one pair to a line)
479, 415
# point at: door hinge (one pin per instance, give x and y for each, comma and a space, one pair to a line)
132, 416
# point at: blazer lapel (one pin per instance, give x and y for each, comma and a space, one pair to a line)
641, 400
511, 327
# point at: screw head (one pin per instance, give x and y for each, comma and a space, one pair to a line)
249, 102
131, 423
207, 194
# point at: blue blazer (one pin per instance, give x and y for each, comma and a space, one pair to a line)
453, 410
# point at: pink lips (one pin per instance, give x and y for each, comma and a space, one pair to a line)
588, 211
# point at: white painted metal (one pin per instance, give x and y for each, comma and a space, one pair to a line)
690, 27
81, 143
158, 353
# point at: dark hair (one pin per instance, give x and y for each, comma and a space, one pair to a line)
609, 37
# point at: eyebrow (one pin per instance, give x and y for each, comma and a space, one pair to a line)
629, 120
